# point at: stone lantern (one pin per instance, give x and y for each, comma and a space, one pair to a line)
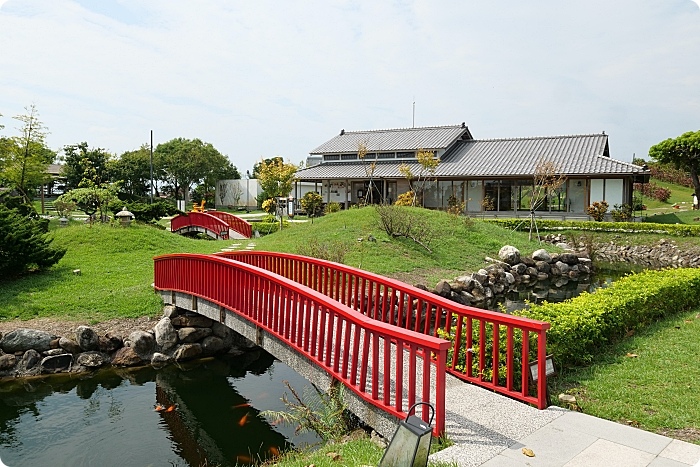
124, 217
63, 222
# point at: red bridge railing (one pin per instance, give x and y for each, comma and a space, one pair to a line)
490, 349
387, 366
213, 226
241, 226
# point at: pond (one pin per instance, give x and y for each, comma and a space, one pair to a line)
208, 415
561, 289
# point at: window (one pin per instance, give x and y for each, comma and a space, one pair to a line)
405, 155
331, 157
386, 155
348, 157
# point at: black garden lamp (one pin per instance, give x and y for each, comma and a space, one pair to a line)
410, 445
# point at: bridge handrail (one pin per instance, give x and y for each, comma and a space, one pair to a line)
285, 308
478, 335
200, 219
236, 223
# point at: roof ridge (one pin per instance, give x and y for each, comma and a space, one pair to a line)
406, 129
524, 138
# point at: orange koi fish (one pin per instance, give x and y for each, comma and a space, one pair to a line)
158, 408
170, 409
243, 420
240, 405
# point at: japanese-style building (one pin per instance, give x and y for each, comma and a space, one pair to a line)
490, 174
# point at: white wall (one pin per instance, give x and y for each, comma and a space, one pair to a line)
613, 192
597, 190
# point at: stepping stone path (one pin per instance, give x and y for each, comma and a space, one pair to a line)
237, 246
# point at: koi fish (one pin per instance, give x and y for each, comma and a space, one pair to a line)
243, 420
158, 408
170, 409
240, 405
274, 451
243, 458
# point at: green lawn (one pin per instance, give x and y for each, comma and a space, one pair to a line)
116, 273
680, 195
650, 380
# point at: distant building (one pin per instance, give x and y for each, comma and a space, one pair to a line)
491, 174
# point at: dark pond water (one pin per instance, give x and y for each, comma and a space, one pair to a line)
561, 289
109, 418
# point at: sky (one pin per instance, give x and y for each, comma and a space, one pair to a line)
260, 79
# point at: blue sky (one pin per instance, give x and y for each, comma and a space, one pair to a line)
263, 79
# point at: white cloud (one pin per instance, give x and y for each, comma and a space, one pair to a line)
259, 79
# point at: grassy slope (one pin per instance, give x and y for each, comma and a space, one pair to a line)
456, 246
116, 274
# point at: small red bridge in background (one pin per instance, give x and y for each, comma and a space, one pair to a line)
216, 224
390, 343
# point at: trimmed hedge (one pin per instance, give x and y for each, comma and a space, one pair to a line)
583, 324
678, 230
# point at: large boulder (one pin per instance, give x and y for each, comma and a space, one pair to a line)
21, 340
193, 321
87, 338
69, 345
212, 345
7, 362
29, 360
142, 342
56, 363
509, 254
92, 359
166, 335
189, 335
109, 343
541, 255
187, 352
126, 356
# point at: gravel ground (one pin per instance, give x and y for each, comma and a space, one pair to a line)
119, 327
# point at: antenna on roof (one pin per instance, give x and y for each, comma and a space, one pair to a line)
414, 112
603, 131
342, 132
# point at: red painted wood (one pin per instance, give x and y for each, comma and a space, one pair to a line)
241, 226
217, 227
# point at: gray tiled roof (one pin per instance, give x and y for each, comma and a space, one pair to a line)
403, 139
514, 157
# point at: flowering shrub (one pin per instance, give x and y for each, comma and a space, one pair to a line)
269, 206
597, 210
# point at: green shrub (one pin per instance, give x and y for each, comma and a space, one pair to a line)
581, 325
312, 204
621, 213
679, 230
24, 244
332, 207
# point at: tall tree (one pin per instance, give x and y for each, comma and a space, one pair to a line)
84, 163
26, 157
428, 163
683, 152
186, 162
133, 169
223, 169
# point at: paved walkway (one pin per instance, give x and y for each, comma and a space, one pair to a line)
492, 430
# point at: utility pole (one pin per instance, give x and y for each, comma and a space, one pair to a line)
151, 166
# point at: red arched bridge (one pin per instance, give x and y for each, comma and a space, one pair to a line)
390, 343
216, 224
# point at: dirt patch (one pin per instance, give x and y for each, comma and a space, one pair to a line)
691, 435
119, 326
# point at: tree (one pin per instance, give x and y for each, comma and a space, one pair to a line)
428, 163
92, 198
25, 158
83, 163
369, 171
24, 244
547, 179
133, 170
683, 152
276, 177
186, 162
258, 165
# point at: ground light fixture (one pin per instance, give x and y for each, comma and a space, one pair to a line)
410, 445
